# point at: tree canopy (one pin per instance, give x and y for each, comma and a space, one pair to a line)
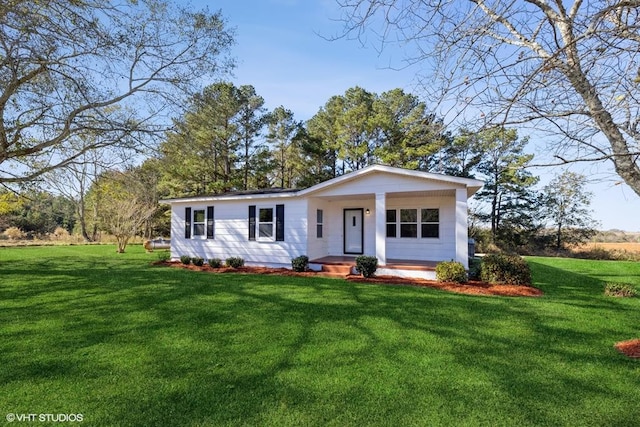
569, 69
508, 190
361, 128
116, 70
566, 202
212, 148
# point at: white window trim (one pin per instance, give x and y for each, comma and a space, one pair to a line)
430, 222
416, 223
273, 223
398, 223
395, 224
320, 224
202, 236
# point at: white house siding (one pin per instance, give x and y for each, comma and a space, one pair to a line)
231, 232
317, 247
383, 183
426, 249
335, 218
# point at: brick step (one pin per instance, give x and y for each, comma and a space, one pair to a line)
337, 269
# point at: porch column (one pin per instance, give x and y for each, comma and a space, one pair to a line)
462, 232
381, 228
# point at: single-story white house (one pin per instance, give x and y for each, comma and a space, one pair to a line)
400, 216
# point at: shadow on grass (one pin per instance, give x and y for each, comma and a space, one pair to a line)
156, 346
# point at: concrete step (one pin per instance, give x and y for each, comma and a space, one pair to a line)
337, 269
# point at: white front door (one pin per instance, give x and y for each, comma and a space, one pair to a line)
353, 231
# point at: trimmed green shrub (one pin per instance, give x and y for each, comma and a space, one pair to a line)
164, 255
196, 260
215, 263
234, 262
510, 269
366, 265
300, 263
185, 259
451, 271
616, 289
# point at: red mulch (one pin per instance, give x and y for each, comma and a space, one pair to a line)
629, 348
472, 287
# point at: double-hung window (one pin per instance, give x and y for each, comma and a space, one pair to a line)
319, 223
265, 224
408, 223
430, 223
392, 221
199, 223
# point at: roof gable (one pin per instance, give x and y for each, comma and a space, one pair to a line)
393, 177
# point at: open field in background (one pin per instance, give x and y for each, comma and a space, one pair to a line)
633, 247
86, 330
621, 251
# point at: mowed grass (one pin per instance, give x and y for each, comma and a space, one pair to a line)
85, 330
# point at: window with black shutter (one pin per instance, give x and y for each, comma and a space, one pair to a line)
252, 222
266, 223
187, 223
279, 223
199, 223
210, 223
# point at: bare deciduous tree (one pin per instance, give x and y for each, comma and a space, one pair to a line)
115, 69
124, 206
74, 180
571, 69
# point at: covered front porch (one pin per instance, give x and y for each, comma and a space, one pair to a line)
409, 230
409, 220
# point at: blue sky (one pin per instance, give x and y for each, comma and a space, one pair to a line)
283, 51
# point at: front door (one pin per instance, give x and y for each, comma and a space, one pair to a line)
353, 231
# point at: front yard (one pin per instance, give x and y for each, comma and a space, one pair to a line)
84, 330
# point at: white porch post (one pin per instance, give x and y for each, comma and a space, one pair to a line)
462, 233
381, 228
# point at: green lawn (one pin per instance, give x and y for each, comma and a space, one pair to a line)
85, 330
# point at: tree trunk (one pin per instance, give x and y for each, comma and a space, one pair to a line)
624, 162
122, 243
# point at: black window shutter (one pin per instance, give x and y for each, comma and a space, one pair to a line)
209, 222
252, 222
187, 223
279, 223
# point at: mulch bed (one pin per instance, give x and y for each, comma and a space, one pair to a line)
629, 348
472, 287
